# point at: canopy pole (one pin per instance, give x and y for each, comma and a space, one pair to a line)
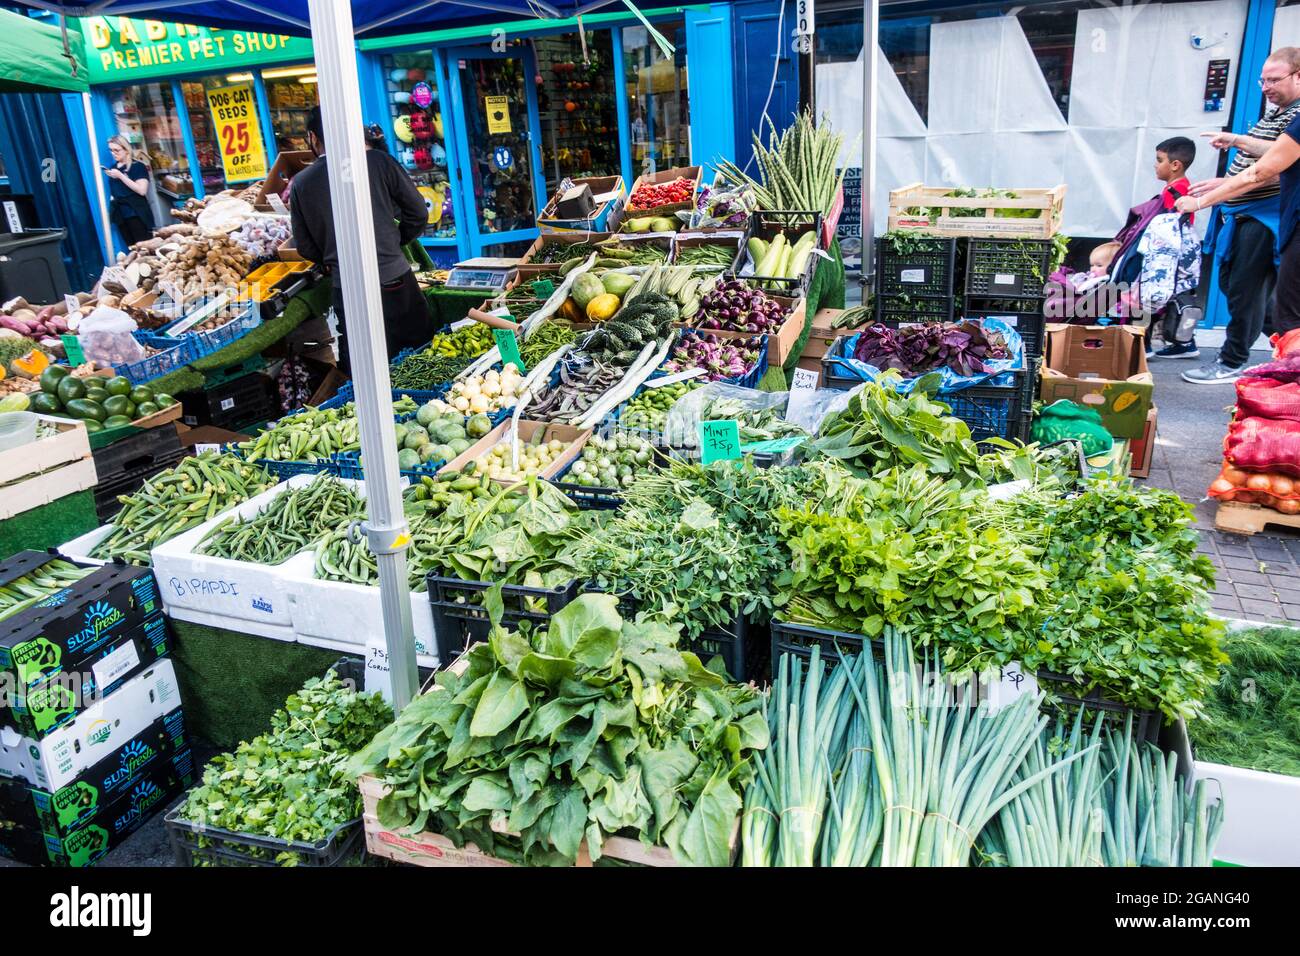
870, 67
358, 274
105, 224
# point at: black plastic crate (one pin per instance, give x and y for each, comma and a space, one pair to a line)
800, 639
195, 844
895, 309
1063, 697
765, 224
741, 646
135, 452
1007, 267
352, 670
1032, 325
129, 482
459, 618
241, 401
928, 268
991, 411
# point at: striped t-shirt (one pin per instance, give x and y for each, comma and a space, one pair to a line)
1270, 128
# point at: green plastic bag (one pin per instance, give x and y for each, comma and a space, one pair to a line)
1066, 419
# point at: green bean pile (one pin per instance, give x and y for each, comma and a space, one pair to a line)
178, 499
705, 255
425, 370
35, 586
292, 522
545, 339
553, 252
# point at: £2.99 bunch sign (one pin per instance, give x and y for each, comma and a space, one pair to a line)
239, 135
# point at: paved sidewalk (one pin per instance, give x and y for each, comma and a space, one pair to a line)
1258, 575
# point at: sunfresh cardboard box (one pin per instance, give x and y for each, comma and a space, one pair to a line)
88, 802
76, 626
35, 711
148, 705
94, 834
1104, 368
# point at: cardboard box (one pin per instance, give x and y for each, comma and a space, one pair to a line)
576, 203
822, 336
1144, 449
528, 269
62, 811
575, 437
608, 194
145, 707
693, 173
77, 626
92, 837
38, 709
732, 238
780, 344
1103, 368
1114, 462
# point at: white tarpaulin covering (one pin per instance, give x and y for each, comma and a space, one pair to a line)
1137, 79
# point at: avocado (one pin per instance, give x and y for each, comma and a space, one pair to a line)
70, 389
80, 408
43, 403
147, 409
51, 377
92, 425
163, 400
118, 385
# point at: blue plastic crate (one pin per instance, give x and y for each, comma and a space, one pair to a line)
210, 342
287, 469
147, 369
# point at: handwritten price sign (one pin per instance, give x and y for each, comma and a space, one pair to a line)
239, 134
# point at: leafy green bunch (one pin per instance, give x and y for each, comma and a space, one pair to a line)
698, 543
591, 727
291, 783
912, 550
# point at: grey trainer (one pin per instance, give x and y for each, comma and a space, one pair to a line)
1214, 374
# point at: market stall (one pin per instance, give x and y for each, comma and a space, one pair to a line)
670, 611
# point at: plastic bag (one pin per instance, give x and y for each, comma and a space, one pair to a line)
1066, 419
721, 208
1270, 489
1264, 444
759, 414
1268, 398
106, 339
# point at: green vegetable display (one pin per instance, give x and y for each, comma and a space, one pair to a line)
178, 499
649, 410
292, 782
1252, 718
591, 727
113, 401
615, 253
545, 338
649, 318
313, 434
706, 254
291, 523
38, 584
618, 461
426, 371
799, 168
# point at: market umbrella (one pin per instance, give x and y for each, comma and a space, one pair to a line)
331, 26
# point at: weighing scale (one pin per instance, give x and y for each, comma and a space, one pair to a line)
482, 274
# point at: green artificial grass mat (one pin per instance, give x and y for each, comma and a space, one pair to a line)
448, 305
231, 683
49, 525
1253, 718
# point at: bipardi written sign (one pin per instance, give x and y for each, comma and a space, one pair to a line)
124, 48
239, 135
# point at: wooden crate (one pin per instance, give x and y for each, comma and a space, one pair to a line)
1050, 203
528, 269
574, 437
49, 486
434, 849
70, 445
822, 336
1238, 517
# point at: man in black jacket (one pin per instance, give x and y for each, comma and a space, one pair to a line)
400, 216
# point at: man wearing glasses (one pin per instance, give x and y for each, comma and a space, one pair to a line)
1243, 231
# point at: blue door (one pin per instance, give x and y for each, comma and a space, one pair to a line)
499, 156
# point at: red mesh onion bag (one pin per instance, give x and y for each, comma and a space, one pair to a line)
1286, 343
1268, 398
1264, 444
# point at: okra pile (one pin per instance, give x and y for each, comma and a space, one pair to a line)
292, 522
178, 499
37, 585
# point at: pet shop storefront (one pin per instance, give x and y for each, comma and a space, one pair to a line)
503, 113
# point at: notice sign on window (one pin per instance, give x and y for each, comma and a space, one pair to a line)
239, 135
498, 113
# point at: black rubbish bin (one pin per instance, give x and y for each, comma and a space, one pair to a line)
31, 265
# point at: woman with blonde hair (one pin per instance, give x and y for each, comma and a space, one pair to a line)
129, 189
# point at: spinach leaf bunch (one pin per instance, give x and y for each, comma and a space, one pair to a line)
291, 783
594, 726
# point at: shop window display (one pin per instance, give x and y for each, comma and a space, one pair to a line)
658, 102
147, 116
496, 117
576, 104
290, 94
205, 139
416, 111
